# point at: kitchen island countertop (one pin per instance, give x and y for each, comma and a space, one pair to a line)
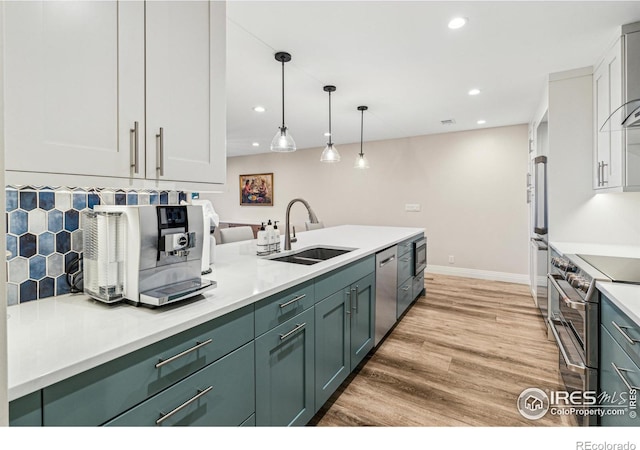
55, 338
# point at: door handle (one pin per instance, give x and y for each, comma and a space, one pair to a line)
135, 164
160, 152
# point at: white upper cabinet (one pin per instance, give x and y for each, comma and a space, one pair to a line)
88, 86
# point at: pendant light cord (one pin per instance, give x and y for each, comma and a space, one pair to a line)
330, 134
283, 93
361, 130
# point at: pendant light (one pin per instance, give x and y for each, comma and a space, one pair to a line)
361, 161
330, 153
282, 141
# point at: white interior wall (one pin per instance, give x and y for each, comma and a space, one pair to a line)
471, 187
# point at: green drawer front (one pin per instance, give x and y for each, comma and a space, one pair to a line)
612, 319
99, 394
405, 246
26, 411
221, 394
404, 267
612, 384
418, 285
405, 292
279, 308
340, 278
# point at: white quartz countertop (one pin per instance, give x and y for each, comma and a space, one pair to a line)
625, 296
53, 339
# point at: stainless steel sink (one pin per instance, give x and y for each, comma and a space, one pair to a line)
312, 255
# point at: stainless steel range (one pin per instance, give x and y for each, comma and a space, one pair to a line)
574, 322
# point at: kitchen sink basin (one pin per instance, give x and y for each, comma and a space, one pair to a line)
312, 255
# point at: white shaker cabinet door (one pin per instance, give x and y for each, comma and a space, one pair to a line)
185, 91
74, 86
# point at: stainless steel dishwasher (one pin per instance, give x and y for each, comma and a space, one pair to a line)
386, 289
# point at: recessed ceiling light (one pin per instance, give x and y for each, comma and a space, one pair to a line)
327, 134
256, 144
458, 22
481, 122
259, 109
474, 91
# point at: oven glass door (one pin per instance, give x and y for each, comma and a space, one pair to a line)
420, 257
568, 307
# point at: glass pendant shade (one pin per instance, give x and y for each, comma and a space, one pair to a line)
330, 154
283, 142
361, 162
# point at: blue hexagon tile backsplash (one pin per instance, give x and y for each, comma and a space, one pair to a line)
44, 233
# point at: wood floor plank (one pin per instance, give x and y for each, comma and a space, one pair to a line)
460, 356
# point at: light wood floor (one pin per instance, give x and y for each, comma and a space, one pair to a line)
461, 356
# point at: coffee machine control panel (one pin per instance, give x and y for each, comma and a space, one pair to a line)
174, 238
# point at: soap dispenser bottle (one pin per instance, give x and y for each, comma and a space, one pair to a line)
263, 240
276, 236
269, 229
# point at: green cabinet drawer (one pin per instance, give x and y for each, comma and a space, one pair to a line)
405, 297
418, 285
285, 373
616, 371
624, 330
277, 309
332, 282
99, 394
26, 411
405, 263
406, 246
221, 394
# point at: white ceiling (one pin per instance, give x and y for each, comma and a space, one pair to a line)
400, 59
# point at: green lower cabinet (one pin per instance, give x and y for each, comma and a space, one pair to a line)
333, 349
363, 321
345, 327
26, 411
221, 394
614, 384
285, 373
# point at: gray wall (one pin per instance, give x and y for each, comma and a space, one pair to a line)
470, 185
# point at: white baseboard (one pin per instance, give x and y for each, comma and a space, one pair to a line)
481, 274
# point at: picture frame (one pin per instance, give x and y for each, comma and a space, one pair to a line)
256, 189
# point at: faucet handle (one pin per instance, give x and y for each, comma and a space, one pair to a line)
294, 238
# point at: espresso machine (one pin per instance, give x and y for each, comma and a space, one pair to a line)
147, 254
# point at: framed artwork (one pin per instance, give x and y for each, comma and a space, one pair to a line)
256, 189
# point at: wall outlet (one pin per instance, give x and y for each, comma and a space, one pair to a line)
412, 207
451, 259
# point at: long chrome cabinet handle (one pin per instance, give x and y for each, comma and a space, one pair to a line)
299, 297
298, 327
580, 306
619, 371
198, 345
355, 308
603, 173
388, 260
135, 164
599, 172
348, 292
160, 152
578, 368
624, 334
201, 393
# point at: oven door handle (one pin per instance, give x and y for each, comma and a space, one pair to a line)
580, 306
577, 368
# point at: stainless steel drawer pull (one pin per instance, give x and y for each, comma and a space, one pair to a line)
405, 259
198, 345
348, 292
160, 151
573, 367
619, 371
622, 331
355, 308
406, 288
579, 306
388, 260
201, 393
299, 326
136, 153
295, 299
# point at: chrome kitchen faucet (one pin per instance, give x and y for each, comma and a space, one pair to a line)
312, 219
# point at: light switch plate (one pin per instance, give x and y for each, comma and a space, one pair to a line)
412, 207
